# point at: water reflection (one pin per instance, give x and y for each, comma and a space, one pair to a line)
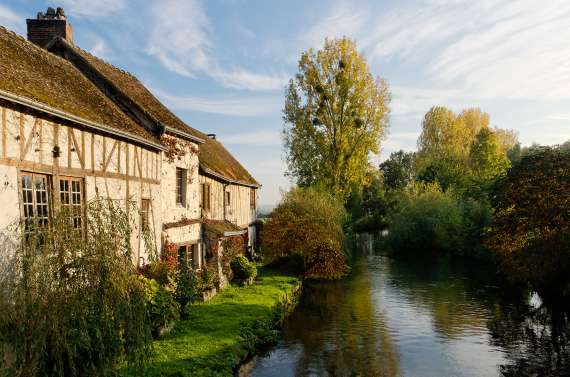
396, 317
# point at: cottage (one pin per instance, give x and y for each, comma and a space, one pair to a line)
74, 127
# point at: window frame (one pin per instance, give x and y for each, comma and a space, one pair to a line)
227, 198
48, 180
79, 212
181, 186
252, 198
191, 254
206, 196
145, 214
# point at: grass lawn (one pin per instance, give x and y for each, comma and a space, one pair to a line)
211, 341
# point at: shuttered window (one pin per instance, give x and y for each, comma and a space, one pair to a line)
206, 198
252, 198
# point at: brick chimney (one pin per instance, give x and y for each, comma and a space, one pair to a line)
45, 27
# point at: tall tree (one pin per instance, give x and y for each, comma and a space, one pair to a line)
488, 159
398, 170
441, 134
531, 230
335, 116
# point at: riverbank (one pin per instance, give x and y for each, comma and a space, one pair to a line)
222, 333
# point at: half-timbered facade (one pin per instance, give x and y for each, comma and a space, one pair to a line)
74, 128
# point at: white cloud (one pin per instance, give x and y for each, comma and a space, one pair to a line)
486, 49
343, 20
92, 8
100, 50
251, 106
11, 20
180, 39
242, 79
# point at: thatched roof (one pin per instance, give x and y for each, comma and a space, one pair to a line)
214, 157
34, 74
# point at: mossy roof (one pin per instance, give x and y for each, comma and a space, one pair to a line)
213, 155
29, 71
220, 227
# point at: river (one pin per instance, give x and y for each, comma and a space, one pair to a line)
405, 317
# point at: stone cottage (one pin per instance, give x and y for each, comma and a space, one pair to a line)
74, 127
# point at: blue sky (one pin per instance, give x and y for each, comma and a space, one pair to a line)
222, 65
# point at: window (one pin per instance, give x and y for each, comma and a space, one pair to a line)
145, 214
189, 256
227, 201
252, 198
36, 201
71, 199
181, 175
206, 196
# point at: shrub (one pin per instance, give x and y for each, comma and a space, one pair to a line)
161, 305
232, 247
531, 230
430, 220
186, 288
161, 271
243, 269
72, 303
208, 278
308, 223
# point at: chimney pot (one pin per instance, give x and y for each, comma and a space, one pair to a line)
48, 26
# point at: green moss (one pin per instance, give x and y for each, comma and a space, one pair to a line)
219, 334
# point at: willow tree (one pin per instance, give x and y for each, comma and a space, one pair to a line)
335, 115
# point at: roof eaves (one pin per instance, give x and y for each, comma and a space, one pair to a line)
84, 122
226, 179
184, 135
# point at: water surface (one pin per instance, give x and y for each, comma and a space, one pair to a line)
395, 317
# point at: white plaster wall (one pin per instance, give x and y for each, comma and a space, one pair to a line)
172, 212
238, 211
116, 182
9, 199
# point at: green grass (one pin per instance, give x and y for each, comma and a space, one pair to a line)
220, 333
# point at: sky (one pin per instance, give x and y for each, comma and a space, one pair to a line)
222, 65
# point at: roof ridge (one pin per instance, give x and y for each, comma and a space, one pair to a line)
32, 45
106, 62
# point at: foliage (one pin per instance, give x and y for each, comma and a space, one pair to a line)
232, 247
368, 206
488, 162
443, 135
428, 220
335, 116
72, 304
160, 270
243, 269
161, 305
186, 287
309, 223
208, 278
455, 150
531, 230
398, 170
217, 337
